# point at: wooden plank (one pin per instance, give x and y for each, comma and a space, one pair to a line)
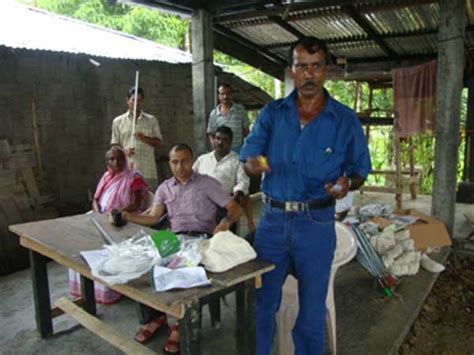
31, 186
99, 328
18, 148
4, 150
380, 189
36, 135
393, 172
10, 209
22, 160
56, 311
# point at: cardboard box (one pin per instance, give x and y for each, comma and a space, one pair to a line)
426, 231
381, 222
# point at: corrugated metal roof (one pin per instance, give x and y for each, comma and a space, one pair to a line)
29, 28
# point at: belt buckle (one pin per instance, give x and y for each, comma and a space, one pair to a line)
292, 207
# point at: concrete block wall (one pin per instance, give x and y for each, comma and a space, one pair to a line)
76, 102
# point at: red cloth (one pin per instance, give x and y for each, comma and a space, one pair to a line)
414, 96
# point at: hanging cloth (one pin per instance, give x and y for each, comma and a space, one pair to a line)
414, 96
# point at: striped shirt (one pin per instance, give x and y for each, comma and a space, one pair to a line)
237, 119
144, 157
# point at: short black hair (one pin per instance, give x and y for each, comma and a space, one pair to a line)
225, 130
131, 91
181, 147
312, 45
225, 85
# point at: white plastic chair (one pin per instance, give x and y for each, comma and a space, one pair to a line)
346, 249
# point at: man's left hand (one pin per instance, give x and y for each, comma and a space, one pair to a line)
339, 189
140, 136
238, 197
223, 226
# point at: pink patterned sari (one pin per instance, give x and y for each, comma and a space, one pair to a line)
114, 191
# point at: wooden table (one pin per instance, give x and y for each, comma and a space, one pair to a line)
62, 240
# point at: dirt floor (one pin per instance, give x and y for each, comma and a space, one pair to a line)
446, 323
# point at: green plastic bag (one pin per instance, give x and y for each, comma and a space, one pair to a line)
166, 242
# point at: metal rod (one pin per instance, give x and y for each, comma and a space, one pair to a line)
102, 231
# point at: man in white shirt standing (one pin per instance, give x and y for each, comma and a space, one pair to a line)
224, 165
147, 137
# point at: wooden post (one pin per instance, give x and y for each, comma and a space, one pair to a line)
367, 128
245, 329
88, 295
203, 76
411, 160
449, 79
190, 332
398, 173
465, 192
468, 174
39, 276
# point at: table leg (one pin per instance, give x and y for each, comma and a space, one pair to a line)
88, 295
190, 332
245, 329
39, 276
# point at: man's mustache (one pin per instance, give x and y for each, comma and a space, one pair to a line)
308, 83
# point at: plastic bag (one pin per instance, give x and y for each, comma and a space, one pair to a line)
127, 260
190, 253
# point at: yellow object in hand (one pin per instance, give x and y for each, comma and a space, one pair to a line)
263, 162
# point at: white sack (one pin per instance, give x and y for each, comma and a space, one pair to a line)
226, 250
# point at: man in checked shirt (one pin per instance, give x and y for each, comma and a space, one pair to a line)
147, 137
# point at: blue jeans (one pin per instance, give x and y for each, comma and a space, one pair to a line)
305, 240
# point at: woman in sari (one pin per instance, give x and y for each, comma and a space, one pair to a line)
120, 188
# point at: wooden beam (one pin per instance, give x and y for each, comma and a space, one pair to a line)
367, 27
102, 330
247, 55
277, 9
448, 108
232, 36
286, 26
376, 121
420, 32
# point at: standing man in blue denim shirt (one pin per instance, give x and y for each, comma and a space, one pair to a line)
315, 152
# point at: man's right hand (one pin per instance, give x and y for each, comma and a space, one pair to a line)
256, 165
129, 152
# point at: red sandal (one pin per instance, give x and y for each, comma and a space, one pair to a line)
170, 343
143, 334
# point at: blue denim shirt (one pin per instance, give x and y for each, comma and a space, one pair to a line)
303, 160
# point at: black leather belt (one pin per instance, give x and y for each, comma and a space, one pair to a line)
290, 206
193, 233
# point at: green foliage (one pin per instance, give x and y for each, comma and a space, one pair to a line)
245, 71
138, 21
